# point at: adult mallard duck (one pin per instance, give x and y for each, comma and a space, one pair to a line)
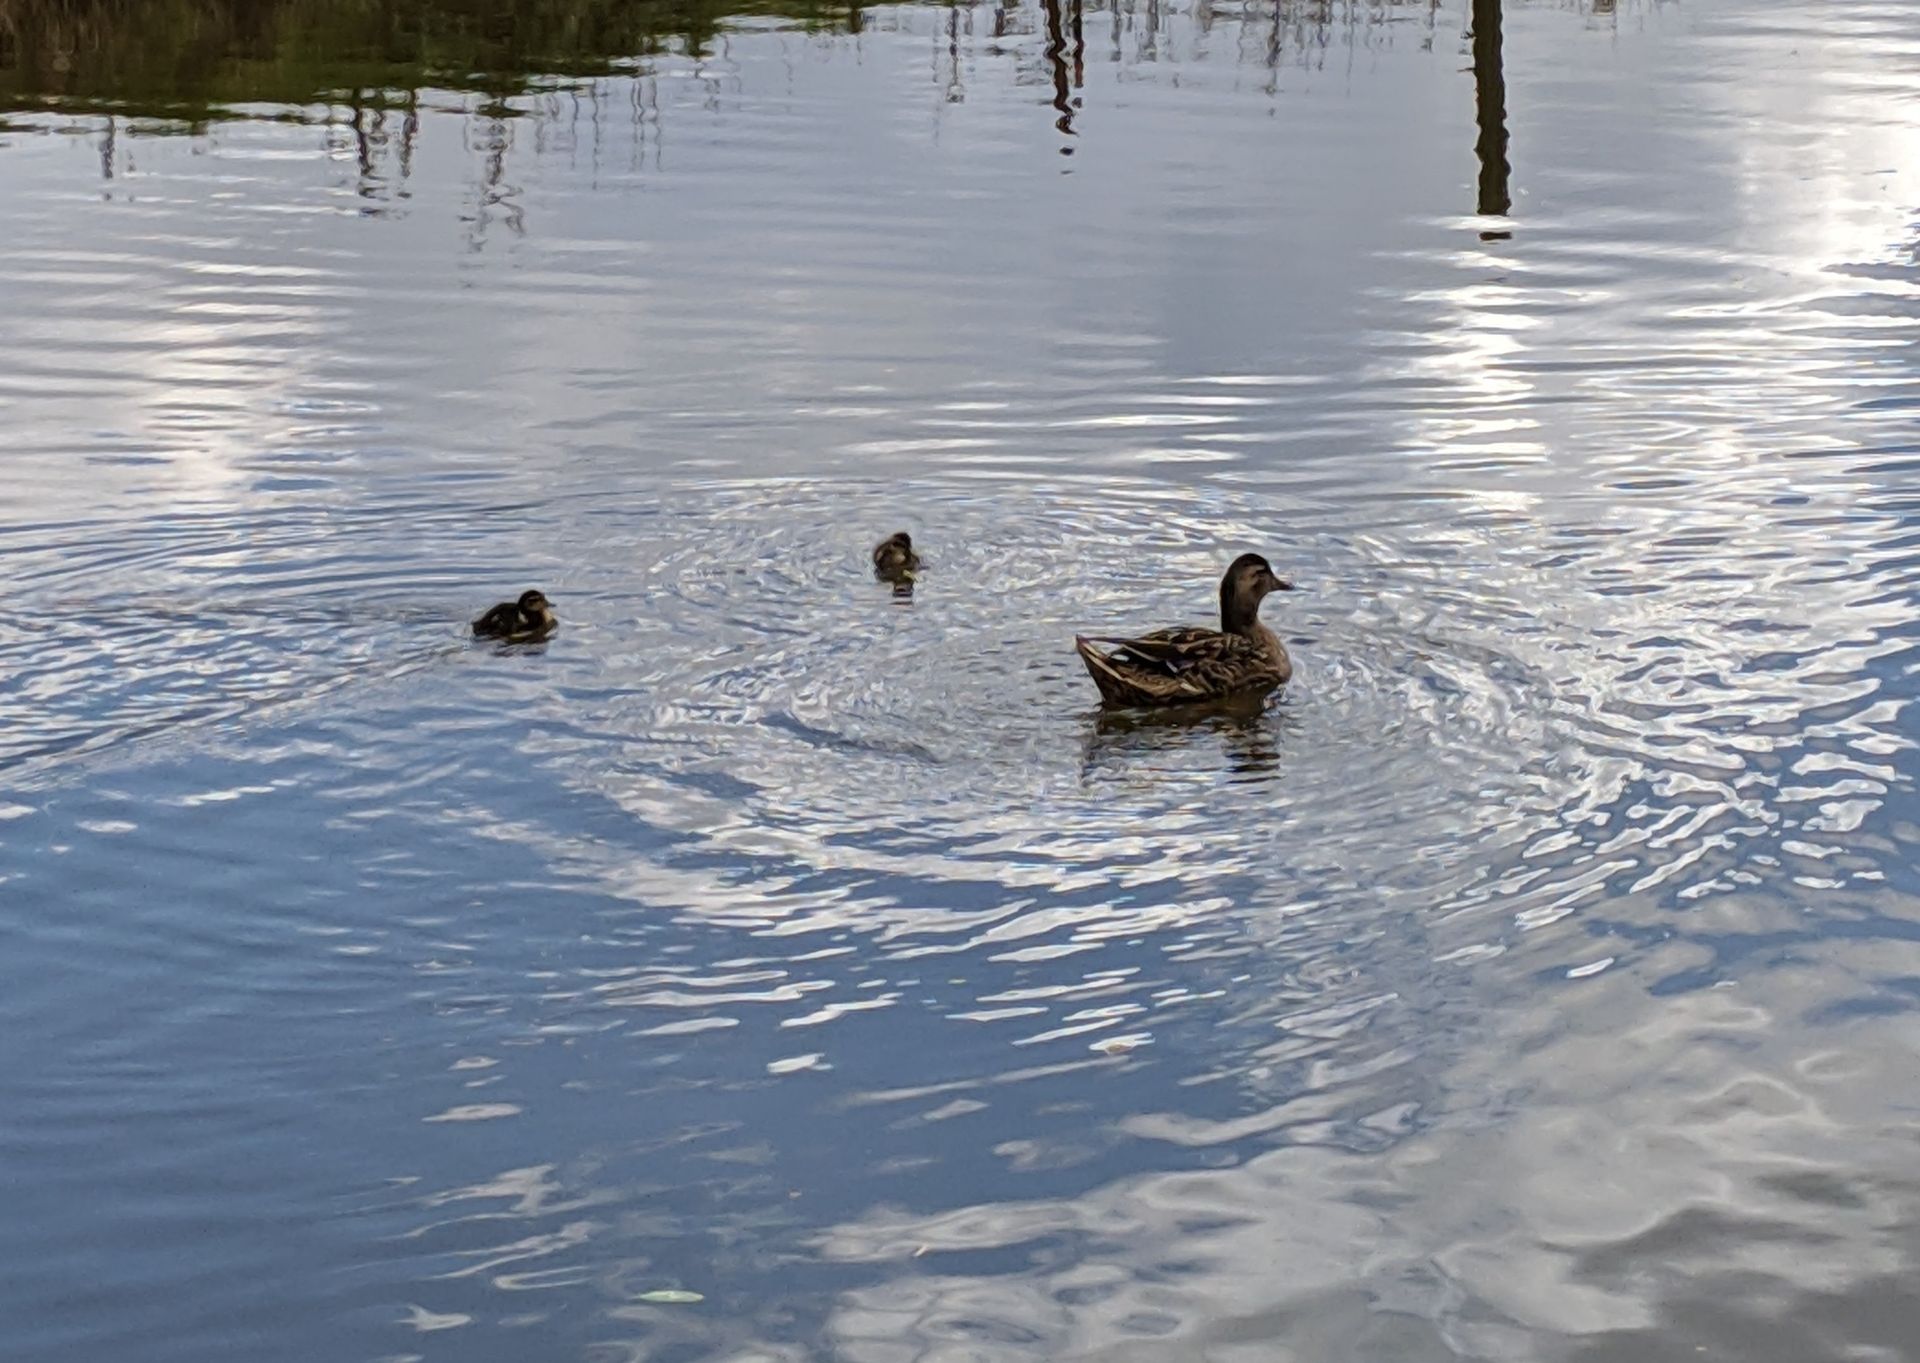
531, 617
1188, 666
894, 560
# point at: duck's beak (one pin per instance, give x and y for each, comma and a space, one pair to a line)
1280, 584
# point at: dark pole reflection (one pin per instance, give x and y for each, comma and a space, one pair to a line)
362, 145
1079, 48
1490, 93
956, 89
1063, 81
409, 133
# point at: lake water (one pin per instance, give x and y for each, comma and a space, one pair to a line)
769, 969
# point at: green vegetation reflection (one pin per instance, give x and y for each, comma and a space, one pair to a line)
192, 60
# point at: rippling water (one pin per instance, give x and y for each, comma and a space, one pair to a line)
1535, 979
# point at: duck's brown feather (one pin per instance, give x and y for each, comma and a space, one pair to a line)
1182, 666
508, 621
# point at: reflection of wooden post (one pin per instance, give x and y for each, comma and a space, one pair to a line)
956, 90
409, 132
1057, 60
1079, 51
1490, 95
363, 144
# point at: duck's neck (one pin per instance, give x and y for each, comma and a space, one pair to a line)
1237, 615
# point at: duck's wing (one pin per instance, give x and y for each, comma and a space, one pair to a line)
1171, 650
1175, 666
501, 619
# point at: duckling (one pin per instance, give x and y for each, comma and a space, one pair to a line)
894, 560
1187, 666
531, 617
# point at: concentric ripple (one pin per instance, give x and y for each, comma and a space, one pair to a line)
773, 966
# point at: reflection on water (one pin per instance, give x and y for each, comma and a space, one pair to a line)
1490, 91
195, 60
1250, 737
773, 966
1059, 60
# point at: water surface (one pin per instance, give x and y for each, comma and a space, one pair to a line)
1536, 979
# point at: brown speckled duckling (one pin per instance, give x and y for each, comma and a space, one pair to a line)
1188, 666
531, 617
894, 560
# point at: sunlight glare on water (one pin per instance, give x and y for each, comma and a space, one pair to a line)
770, 967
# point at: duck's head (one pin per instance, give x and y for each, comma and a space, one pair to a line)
894, 559
534, 602
1248, 580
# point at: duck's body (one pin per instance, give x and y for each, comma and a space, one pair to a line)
530, 617
894, 560
1188, 666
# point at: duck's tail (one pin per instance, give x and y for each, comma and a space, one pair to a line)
1114, 686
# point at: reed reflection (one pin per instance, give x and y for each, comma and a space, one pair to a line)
365, 70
